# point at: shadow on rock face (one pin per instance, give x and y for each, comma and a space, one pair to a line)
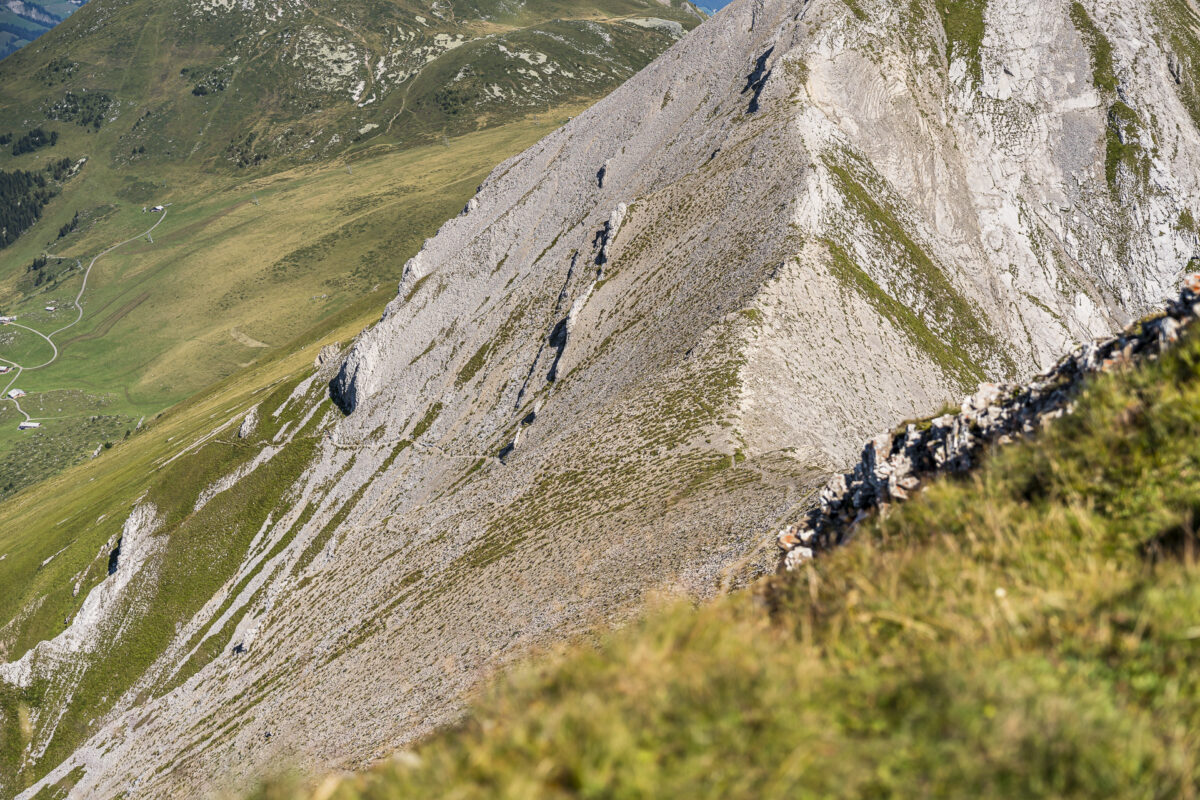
342, 391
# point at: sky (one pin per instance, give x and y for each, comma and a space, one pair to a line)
711, 7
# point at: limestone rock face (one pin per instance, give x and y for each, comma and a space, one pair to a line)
894, 464
649, 338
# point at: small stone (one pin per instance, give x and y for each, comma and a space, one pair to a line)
788, 540
1168, 331
797, 557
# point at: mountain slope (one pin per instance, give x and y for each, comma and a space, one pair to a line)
233, 273
1027, 630
392, 112
210, 83
641, 346
22, 21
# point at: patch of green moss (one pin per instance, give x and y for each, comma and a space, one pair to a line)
426, 421
850, 274
473, 365
962, 20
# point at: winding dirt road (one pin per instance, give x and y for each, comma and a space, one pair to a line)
19, 368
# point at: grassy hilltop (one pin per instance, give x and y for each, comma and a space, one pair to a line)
1030, 630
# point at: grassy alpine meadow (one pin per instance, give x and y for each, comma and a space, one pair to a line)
1029, 630
236, 270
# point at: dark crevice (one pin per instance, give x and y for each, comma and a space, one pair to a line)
601, 239
557, 340
562, 297
757, 79
114, 557
342, 391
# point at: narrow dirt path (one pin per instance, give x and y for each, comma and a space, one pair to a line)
19, 368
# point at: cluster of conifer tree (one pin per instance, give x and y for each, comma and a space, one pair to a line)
59, 169
70, 226
42, 275
22, 196
86, 108
33, 140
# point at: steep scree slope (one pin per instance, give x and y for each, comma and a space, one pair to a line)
1024, 630
639, 348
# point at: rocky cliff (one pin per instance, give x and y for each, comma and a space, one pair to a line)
897, 463
638, 350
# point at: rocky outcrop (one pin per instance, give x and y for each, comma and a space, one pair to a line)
56, 663
895, 464
249, 423
135, 546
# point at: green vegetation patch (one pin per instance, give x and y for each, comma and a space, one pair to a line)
966, 342
1123, 152
23, 195
962, 20
472, 367
1104, 73
856, 9
850, 274
86, 109
1182, 27
1027, 631
423, 425
57, 70
35, 139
